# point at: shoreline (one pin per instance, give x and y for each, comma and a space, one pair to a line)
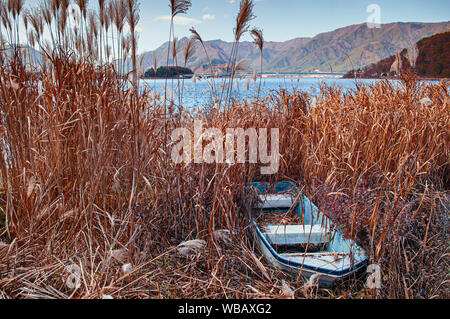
394, 78
264, 76
305, 75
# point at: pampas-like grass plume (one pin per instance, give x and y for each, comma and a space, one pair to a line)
179, 7
258, 38
189, 50
243, 18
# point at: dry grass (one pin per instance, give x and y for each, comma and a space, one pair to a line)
87, 180
87, 175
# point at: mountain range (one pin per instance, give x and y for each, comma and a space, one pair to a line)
340, 50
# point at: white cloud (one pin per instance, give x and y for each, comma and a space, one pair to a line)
179, 20
209, 16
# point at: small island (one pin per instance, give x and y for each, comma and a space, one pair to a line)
168, 72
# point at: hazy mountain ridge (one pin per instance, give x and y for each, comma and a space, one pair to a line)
338, 51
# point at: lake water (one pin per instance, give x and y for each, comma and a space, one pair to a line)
197, 93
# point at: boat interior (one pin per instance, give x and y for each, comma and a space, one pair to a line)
301, 235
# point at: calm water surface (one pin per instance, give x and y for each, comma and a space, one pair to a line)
197, 93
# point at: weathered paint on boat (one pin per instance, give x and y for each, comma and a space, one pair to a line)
339, 259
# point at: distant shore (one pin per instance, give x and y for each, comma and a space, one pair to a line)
264, 76
293, 76
306, 75
395, 78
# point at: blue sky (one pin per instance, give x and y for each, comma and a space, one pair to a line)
281, 20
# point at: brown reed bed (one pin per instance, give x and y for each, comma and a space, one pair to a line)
86, 178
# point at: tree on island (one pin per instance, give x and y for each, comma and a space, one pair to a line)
170, 72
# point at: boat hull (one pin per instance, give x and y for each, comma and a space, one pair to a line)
323, 280
341, 259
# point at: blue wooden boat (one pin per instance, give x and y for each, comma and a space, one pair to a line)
309, 248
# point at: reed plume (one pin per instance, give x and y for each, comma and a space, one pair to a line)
243, 19
119, 15
155, 62
196, 36
133, 20
258, 38
102, 17
35, 18
2, 9
413, 54
62, 24
176, 7
93, 24
189, 50
111, 14
15, 8
92, 37
6, 22
179, 7
107, 21
397, 65
55, 5
175, 49
82, 4
31, 39
188, 53
155, 65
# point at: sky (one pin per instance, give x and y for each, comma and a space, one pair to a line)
281, 20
